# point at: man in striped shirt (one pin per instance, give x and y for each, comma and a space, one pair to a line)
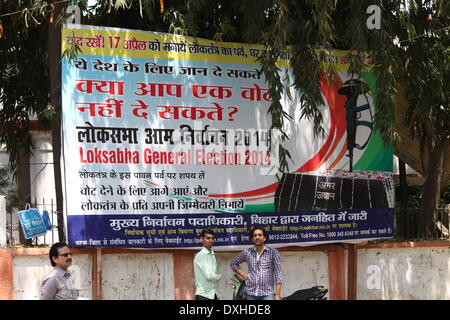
264, 268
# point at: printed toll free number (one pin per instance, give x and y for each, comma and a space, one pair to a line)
339, 234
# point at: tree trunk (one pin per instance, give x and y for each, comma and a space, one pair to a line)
54, 52
403, 199
24, 188
432, 186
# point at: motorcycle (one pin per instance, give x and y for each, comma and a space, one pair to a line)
313, 293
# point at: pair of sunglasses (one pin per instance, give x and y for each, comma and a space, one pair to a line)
65, 254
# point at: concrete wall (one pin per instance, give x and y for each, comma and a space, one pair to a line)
2, 221
146, 276
29, 271
143, 275
410, 271
414, 273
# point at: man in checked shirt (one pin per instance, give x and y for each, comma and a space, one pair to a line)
264, 268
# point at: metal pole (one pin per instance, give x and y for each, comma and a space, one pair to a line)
53, 228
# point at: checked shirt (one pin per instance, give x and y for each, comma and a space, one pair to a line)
263, 273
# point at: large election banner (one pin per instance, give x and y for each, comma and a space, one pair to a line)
164, 135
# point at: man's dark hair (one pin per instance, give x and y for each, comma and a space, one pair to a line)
205, 231
54, 251
258, 228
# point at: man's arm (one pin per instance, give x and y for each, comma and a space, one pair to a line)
278, 291
235, 265
241, 273
48, 289
205, 268
278, 275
